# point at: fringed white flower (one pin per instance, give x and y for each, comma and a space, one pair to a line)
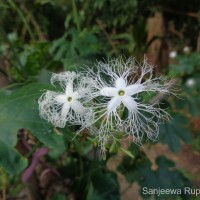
62, 107
118, 85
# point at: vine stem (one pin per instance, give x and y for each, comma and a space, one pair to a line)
13, 51
75, 13
14, 6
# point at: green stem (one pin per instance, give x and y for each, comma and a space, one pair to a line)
14, 6
14, 53
75, 13
121, 110
81, 167
78, 148
95, 151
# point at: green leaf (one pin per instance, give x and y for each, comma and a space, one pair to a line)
186, 65
78, 62
164, 177
196, 143
130, 167
168, 136
58, 197
193, 108
172, 132
90, 192
105, 186
11, 160
44, 76
80, 44
20, 110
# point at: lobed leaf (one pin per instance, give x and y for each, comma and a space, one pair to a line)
20, 110
11, 160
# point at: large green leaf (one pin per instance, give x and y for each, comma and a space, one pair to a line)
11, 160
103, 185
81, 44
174, 131
108, 190
20, 110
186, 65
164, 177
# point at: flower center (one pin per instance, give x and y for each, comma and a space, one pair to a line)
69, 99
121, 92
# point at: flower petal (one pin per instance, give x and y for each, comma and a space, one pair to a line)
120, 83
76, 95
113, 104
69, 88
78, 107
134, 89
130, 103
61, 98
65, 110
108, 91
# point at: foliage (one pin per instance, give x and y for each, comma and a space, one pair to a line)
13, 162
19, 110
172, 133
44, 36
139, 169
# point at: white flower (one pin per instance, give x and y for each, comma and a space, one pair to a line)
119, 106
62, 107
172, 54
186, 49
190, 82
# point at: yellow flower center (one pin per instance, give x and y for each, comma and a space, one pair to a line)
121, 92
69, 99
